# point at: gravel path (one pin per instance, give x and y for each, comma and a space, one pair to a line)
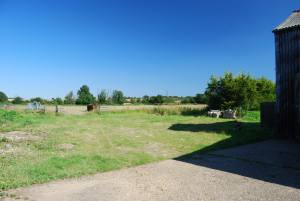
223, 175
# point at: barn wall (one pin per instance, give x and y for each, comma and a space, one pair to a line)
297, 100
287, 66
268, 116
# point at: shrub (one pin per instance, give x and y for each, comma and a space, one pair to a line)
3, 97
18, 100
57, 101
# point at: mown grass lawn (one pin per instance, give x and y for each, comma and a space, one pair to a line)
73, 145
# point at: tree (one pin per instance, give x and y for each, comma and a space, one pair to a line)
213, 93
69, 98
169, 99
3, 97
118, 97
200, 99
85, 97
265, 91
38, 99
57, 101
102, 97
188, 100
239, 92
145, 99
245, 90
156, 100
18, 100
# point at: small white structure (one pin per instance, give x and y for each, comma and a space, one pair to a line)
214, 113
35, 106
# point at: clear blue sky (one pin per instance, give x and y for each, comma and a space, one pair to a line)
49, 47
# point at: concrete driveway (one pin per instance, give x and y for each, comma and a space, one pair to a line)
267, 170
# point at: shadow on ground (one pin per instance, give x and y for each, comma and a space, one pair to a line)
238, 133
275, 161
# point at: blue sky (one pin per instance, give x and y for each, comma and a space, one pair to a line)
49, 47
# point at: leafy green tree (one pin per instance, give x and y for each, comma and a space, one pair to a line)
265, 91
3, 97
145, 99
57, 101
200, 99
240, 92
102, 97
118, 97
18, 100
169, 99
156, 100
85, 97
70, 98
213, 93
245, 92
188, 100
38, 99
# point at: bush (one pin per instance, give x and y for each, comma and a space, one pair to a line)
18, 100
57, 101
3, 97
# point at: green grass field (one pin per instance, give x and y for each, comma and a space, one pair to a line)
66, 146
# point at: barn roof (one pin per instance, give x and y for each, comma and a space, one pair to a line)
291, 22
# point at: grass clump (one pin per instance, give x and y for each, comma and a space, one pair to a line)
3, 140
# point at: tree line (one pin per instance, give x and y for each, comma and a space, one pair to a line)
85, 97
243, 92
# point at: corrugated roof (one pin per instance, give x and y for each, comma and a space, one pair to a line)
292, 21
